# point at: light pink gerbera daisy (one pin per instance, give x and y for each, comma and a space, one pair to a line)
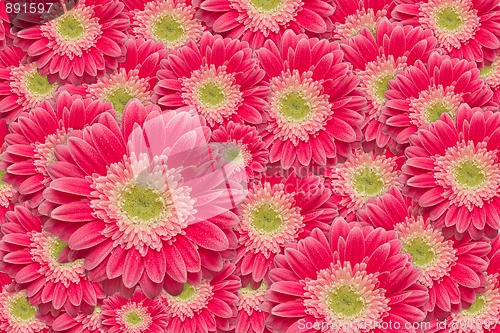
278, 211
145, 205
137, 314
315, 112
171, 22
256, 21
244, 149
31, 145
377, 59
134, 78
207, 306
84, 42
22, 88
81, 323
466, 29
453, 173
18, 315
425, 91
218, 77
353, 278
364, 177
38, 262
351, 16
251, 315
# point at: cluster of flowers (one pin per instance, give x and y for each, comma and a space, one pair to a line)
250, 166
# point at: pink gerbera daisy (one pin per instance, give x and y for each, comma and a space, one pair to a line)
351, 16
143, 207
251, 315
18, 315
315, 112
134, 78
364, 177
218, 77
22, 88
426, 90
138, 314
207, 306
37, 260
81, 323
490, 72
453, 173
171, 22
34, 136
377, 59
256, 21
278, 211
244, 149
353, 278
466, 29
84, 42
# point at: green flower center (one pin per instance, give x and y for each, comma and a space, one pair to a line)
266, 219
38, 84
435, 111
211, 94
266, 5
70, 27
21, 309
449, 19
187, 293
487, 71
119, 97
469, 175
56, 247
477, 306
233, 154
295, 106
381, 86
133, 318
168, 29
421, 251
344, 301
368, 183
142, 203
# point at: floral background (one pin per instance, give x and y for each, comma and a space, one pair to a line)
250, 166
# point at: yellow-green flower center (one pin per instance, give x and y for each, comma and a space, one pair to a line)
435, 111
345, 302
188, 292
211, 94
294, 106
477, 306
168, 29
381, 86
38, 84
119, 97
487, 71
449, 19
368, 183
21, 309
266, 219
142, 203
233, 154
469, 175
421, 251
266, 5
56, 247
70, 27
133, 318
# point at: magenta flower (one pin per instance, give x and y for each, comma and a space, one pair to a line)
18, 315
258, 21
349, 277
453, 173
251, 316
218, 77
79, 45
425, 91
82, 322
377, 61
466, 29
315, 112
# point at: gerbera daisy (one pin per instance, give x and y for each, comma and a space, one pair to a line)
171, 22
278, 211
138, 314
207, 306
453, 173
37, 260
353, 278
34, 136
218, 77
315, 112
18, 315
377, 59
490, 72
256, 21
244, 149
144, 207
81, 323
134, 78
426, 90
84, 42
466, 29
363, 177
251, 315
351, 16
22, 88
